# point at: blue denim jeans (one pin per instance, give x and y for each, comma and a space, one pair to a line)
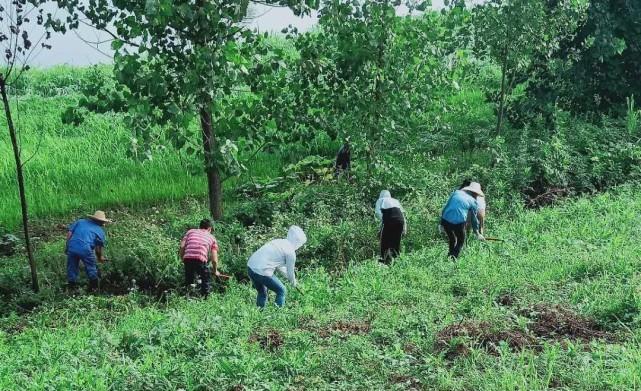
263, 283
73, 265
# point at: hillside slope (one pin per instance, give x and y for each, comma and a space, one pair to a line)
554, 306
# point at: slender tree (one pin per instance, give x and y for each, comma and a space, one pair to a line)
513, 33
19, 21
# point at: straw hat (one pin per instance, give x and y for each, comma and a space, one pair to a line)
99, 216
475, 188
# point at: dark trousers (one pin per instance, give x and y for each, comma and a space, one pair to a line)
195, 266
391, 239
455, 237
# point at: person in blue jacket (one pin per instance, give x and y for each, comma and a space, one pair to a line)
86, 239
455, 214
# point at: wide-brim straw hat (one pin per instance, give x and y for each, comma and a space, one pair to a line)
99, 216
475, 188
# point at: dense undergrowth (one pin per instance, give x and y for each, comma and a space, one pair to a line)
373, 327
93, 164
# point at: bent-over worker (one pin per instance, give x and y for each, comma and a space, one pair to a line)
86, 239
278, 254
393, 225
455, 213
197, 248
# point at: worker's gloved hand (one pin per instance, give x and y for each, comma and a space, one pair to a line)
480, 237
441, 230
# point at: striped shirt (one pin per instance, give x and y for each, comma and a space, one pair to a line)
197, 244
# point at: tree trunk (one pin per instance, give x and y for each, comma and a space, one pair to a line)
499, 119
21, 188
503, 93
214, 184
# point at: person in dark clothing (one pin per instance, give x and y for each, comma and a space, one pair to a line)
454, 217
343, 160
390, 212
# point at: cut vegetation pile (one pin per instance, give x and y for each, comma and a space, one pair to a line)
558, 323
271, 340
546, 323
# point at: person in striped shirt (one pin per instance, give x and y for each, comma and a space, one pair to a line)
197, 247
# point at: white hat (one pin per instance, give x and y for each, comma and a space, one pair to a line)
99, 216
385, 194
475, 188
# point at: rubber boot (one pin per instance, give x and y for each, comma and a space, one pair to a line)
93, 286
72, 286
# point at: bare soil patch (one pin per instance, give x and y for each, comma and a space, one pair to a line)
410, 348
270, 341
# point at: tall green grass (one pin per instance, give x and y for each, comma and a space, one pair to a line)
81, 168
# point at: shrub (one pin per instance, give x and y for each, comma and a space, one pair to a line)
140, 250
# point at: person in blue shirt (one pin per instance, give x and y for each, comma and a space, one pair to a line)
86, 239
455, 213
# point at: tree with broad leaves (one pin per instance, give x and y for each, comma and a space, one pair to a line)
19, 20
362, 33
178, 58
514, 33
599, 68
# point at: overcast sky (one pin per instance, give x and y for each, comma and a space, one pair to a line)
73, 50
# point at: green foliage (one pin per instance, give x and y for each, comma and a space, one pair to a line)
142, 256
100, 94
594, 70
312, 168
607, 70
517, 34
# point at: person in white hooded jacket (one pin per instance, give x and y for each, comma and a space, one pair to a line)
278, 254
393, 225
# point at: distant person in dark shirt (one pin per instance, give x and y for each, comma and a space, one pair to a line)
343, 160
86, 239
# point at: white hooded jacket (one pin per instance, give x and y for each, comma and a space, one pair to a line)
279, 254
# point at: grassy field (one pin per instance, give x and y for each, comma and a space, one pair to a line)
555, 306
74, 169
